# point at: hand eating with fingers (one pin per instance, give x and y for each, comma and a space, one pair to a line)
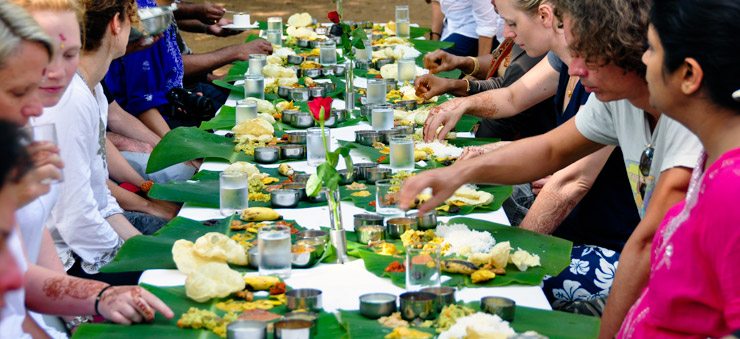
130, 304
445, 116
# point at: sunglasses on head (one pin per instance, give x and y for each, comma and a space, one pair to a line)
646, 161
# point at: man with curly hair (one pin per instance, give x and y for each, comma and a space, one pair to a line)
607, 39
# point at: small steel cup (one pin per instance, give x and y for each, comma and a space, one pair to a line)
426, 221
395, 227
313, 44
313, 234
385, 136
293, 152
332, 121
303, 120
417, 305
502, 307
317, 91
320, 197
361, 169
340, 70
378, 173
305, 316
302, 43
404, 130
376, 305
285, 198
370, 233
300, 186
367, 220
328, 87
445, 296
342, 115
406, 105
289, 115
362, 64
300, 94
313, 58
266, 155
296, 137
304, 299
254, 257
284, 92
321, 30
295, 59
301, 177
294, 328
343, 179
327, 71
305, 255
367, 138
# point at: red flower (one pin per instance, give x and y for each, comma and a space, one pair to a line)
319, 106
333, 17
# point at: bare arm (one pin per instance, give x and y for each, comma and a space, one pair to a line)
130, 201
48, 256
120, 224
485, 45
119, 168
437, 20
563, 191
152, 119
205, 62
510, 164
127, 125
634, 261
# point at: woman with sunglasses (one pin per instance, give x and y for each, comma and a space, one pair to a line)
692, 72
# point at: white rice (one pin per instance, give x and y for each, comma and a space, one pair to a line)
441, 150
464, 241
483, 323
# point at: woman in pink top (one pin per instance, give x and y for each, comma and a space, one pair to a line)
692, 72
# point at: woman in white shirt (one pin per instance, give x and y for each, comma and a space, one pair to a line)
471, 24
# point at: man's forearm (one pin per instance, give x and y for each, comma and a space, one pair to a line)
152, 119
437, 20
127, 125
118, 167
192, 26
195, 64
485, 44
563, 191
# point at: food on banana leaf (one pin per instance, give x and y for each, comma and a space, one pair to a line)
498, 256
480, 276
305, 33
464, 241
242, 167
213, 280
523, 259
356, 186
395, 267
407, 333
285, 170
449, 315
396, 52
257, 129
259, 214
203, 319
217, 246
241, 305
479, 325
458, 266
361, 194
390, 71
244, 240
263, 106
300, 20
259, 315
392, 321
260, 283
186, 259
385, 248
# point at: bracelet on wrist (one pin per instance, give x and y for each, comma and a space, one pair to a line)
476, 66
97, 299
432, 34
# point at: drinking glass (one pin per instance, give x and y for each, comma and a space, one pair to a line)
402, 153
327, 52
422, 266
275, 23
382, 118
246, 110
256, 63
364, 54
254, 86
315, 152
386, 199
274, 251
402, 13
233, 192
44, 133
376, 89
275, 37
403, 22
406, 69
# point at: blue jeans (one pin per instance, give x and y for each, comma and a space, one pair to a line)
464, 46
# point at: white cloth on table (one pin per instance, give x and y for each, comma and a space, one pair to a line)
620, 123
78, 221
471, 18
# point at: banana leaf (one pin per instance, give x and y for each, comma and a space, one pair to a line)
426, 46
554, 256
203, 190
188, 143
144, 252
225, 119
375, 155
418, 32
466, 123
175, 298
553, 324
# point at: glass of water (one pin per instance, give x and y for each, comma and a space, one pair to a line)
44, 133
256, 63
246, 110
273, 242
275, 23
254, 86
406, 70
315, 152
403, 26
328, 52
233, 192
382, 118
422, 266
386, 198
275, 37
402, 153
376, 89
364, 54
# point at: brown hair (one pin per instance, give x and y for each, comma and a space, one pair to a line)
528, 6
98, 14
608, 31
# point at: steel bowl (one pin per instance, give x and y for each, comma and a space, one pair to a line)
303, 43
445, 296
418, 305
395, 227
313, 44
304, 316
426, 221
317, 91
293, 152
368, 219
327, 71
376, 305
303, 120
155, 21
382, 62
295, 59
254, 257
385, 136
318, 243
301, 177
328, 86
288, 116
500, 306
308, 299
294, 328
296, 137
340, 70
321, 30
304, 255
343, 179
407, 105
285, 198
362, 64
390, 84
361, 169
313, 58
313, 234
377, 173
299, 94
370, 233
404, 130
266, 155
284, 91
300, 186
342, 114
367, 138
320, 197
332, 121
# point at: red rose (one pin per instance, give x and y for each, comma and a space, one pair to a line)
333, 17
319, 106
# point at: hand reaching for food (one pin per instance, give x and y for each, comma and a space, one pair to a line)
130, 304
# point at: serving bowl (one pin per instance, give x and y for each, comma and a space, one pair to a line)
426, 221
284, 91
368, 219
308, 299
313, 234
407, 105
394, 227
417, 305
361, 169
285, 198
154, 21
376, 305
293, 152
370, 233
295, 59
301, 177
299, 186
289, 115
500, 306
377, 173
296, 137
303, 120
445, 296
305, 255
304, 316
266, 155
367, 138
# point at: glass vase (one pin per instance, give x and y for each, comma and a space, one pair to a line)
349, 79
336, 229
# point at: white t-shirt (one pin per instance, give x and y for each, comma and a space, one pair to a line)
471, 18
31, 219
14, 312
78, 220
620, 123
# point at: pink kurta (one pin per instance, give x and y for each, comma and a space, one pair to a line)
694, 286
